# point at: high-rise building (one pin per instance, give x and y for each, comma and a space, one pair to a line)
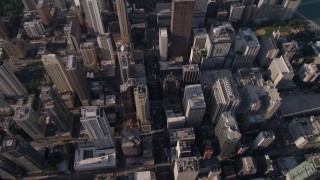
246, 48
30, 122
190, 74
144, 175
196, 55
181, 26
44, 12
93, 16
264, 9
30, 4
200, 36
194, 105
14, 49
89, 54
236, 12
96, 125
9, 83
289, 9
281, 72
73, 36
289, 49
124, 22
199, 13
224, 97
8, 169
253, 123
246, 167
308, 169
186, 168
175, 120
181, 134
304, 131
131, 142
171, 86
77, 78
141, 97
163, 44
125, 60
34, 29
263, 140
55, 108
105, 45
60, 4
228, 134
268, 52
127, 95
218, 46
250, 13
309, 72
57, 72
22, 154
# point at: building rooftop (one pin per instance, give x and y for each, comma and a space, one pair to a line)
180, 134
194, 95
268, 134
144, 175
187, 164
231, 126
22, 112
87, 45
147, 146
245, 76
296, 104
248, 36
90, 158
163, 32
90, 112
190, 67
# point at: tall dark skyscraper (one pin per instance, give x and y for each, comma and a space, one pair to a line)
181, 26
124, 23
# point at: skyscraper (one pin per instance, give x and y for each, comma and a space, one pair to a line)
96, 125
290, 7
44, 12
56, 71
268, 52
224, 97
93, 16
264, 9
228, 134
163, 44
73, 36
194, 105
190, 74
181, 26
8, 169
236, 12
30, 122
30, 4
281, 72
309, 72
89, 54
77, 78
55, 108
171, 86
125, 58
308, 169
22, 154
14, 49
105, 45
246, 48
218, 45
34, 29
263, 140
141, 97
124, 22
199, 13
127, 95
9, 83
